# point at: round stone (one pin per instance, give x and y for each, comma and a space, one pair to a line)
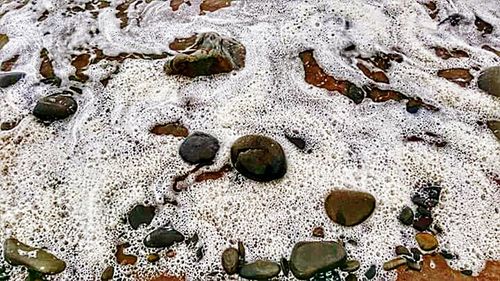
162, 238
348, 207
55, 107
17, 253
426, 241
141, 214
259, 158
489, 81
199, 148
230, 260
260, 270
309, 258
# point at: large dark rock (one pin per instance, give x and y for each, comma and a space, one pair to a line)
162, 238
489, 81
260, 270
10, 78
55, 107
349, 208
259, 158
210, 54
17, 253
309, 258
199, 148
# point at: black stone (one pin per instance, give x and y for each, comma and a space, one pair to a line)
162, 238
466, 272
351, 277
199, 148
416, 253
406, 216
371, 272
355, 93
423, 212
259, 158
401, 250
10, 78
141, 214
298, 142
422, 223
285, 267
447, 255
55, 107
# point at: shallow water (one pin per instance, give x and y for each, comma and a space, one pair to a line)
68, 186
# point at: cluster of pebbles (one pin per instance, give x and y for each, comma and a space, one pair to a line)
258, 158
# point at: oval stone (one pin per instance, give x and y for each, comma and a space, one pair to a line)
230, 260
162, 238
17, 253
10, 78
489, 81
348, 207
309, 258
260, 270
259, 158
426, 241
55, 107
199, 148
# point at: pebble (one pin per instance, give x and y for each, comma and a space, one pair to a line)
423, 212
162, 238
241, 251
108, 273
17, 253
285, 266
426, 241
494, 126
416, 253
172, 129
394, 263
349, 208
489, 81
413, 265
55, 107
319, 232
230, 261
10, 78
260, 270
141, 214
406, 216
401, 250
258, 158
211, 54
309, 258
371, 272
4, 39
152, 258
422, 223
351, 277
467, 272
350, 266
199, 148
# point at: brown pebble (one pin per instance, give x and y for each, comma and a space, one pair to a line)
426, 241
171, 254
152, 258
319, 232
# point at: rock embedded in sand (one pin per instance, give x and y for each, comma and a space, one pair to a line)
309, 258
10, 78
230, 260
17, 253
141, 214
349, 208
199, 148
489, 81
260, 270
426, 241
210, 54
259, 158
163, 238
55, 107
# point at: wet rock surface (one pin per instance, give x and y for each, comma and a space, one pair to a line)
199, 148
349, 208
163, 238
309, 258
259, 158
10, 78
260, 270
55, 107
210, 54
17, 253
489, 81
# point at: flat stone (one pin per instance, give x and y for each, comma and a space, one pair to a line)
199, 148
349, 208
394, 263
141, 214
162, 238
406, 216
260, 270
10, 78
17, 253
309, 258
350, 266
259, 158
230, 260
489, 81
55, 107
209, 54
426, 241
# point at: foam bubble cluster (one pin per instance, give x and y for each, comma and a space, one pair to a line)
68, 186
